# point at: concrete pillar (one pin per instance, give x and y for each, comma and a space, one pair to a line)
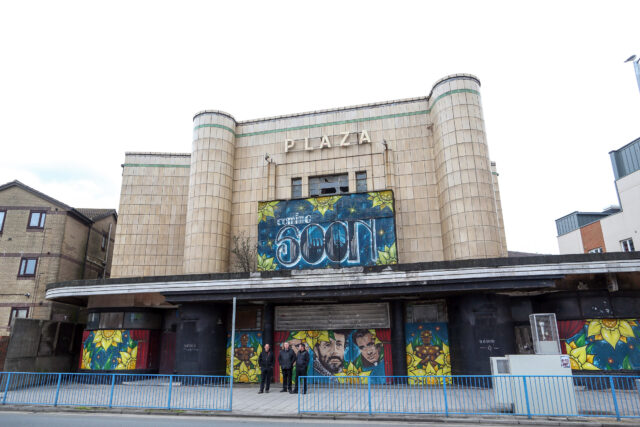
208, 228
201, 340
480, 326
267, 325
398, 342
468, 208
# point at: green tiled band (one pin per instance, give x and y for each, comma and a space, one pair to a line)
341, 122
147, 165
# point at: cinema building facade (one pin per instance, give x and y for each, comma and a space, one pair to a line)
380, 245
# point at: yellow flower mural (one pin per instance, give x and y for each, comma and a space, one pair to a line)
107, 338
311, 337
352, 371
428, 354
611, 330
248, 347
383, 199
128, 359
324, 204
243, 374
86, 359
579, 357
265, 210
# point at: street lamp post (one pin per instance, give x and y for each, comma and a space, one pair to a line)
636, 66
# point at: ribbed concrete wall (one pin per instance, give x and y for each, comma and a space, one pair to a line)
207, 235
468, 210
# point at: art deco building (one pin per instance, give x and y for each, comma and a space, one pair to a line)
379, 243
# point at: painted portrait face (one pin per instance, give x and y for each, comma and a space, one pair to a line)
368, 348
331, 353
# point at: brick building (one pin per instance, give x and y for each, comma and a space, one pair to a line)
42, 240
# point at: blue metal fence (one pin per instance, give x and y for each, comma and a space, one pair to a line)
209, 393
596, 396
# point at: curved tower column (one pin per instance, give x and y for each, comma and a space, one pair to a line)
208, 228
468, 206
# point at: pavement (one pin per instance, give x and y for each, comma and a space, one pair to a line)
247, 403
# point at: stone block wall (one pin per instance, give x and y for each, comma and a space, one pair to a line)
431, 151
150, 236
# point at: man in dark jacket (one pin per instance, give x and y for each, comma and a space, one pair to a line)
266, 366
286, 359
302, 363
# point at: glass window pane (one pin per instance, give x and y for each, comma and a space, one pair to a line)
22, 265
31, 267
144, 320
296, 188
111, 320
93, 321
361, 182
42, 216
35, 219
2, 213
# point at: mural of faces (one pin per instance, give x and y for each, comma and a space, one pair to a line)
349, 353
330, 353
369, 350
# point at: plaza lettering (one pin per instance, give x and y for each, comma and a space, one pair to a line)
337, 241
341, 140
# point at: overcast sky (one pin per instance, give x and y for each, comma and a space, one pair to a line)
83, 82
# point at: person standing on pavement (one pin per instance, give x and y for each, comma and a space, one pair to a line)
302, 363
265, 361
286, 359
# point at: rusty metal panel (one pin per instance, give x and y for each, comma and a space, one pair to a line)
332, 317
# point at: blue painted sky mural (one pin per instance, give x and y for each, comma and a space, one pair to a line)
334, 231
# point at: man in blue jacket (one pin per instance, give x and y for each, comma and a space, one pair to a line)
302, 363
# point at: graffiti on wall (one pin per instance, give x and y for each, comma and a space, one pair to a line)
341, 231
427, 350
110, 350
248, 346
343, 353
601, 344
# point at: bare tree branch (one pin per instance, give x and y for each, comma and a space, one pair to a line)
245, 253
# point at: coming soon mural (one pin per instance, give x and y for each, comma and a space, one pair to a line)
427, 350
343, 353
342, 231
601, 344
119, 349
248, 346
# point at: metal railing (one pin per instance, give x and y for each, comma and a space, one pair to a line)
536, 395
209, 393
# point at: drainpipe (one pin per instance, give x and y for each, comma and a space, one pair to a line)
106, 255
86, 250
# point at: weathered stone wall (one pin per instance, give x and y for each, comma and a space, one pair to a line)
149, 240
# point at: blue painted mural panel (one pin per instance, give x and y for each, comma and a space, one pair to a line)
335, 231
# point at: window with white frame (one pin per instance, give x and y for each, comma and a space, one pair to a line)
627, 245
596, 251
